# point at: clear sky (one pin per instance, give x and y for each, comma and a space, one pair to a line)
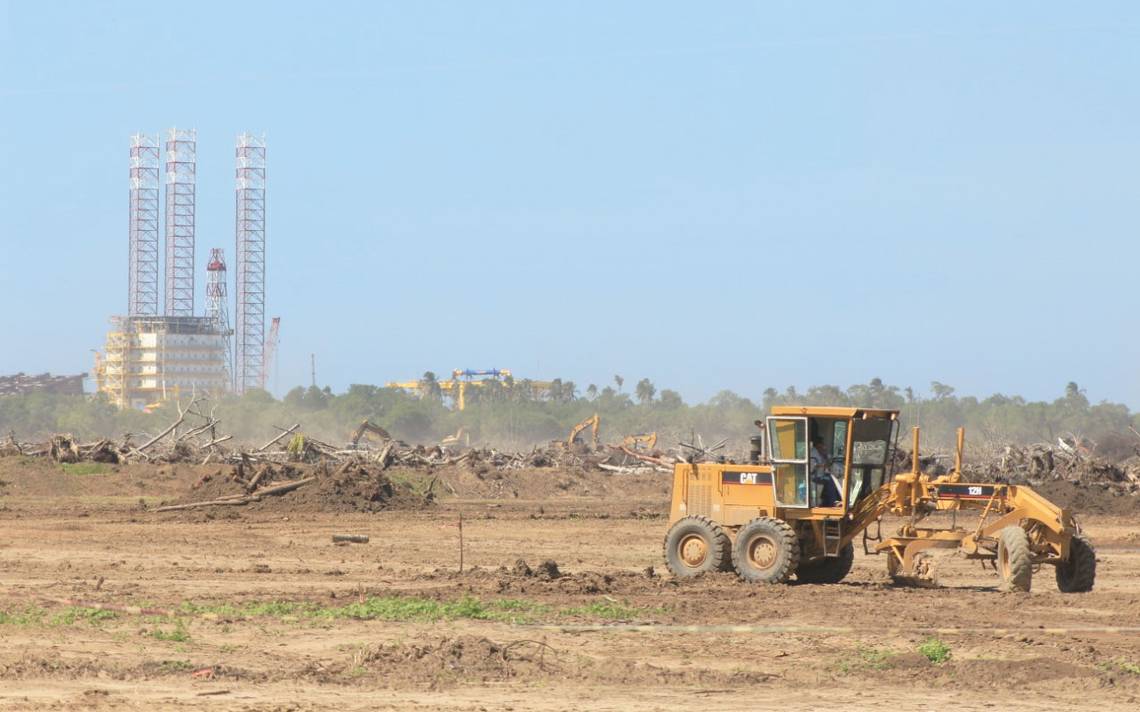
712, 195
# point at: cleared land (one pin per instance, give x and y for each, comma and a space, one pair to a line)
106, 604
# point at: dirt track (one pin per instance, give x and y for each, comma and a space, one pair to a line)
256, 609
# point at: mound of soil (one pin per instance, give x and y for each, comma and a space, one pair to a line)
989, 672
353, 487
1088, 498
479, 481
446, 661
356, 489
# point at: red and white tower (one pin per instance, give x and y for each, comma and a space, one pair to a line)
181, 169
249, 199
217, 303
142, 297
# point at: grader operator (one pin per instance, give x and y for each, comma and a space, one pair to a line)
820, 477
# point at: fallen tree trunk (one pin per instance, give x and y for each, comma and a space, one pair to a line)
284, 432
240, 499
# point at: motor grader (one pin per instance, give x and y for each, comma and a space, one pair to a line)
821, 477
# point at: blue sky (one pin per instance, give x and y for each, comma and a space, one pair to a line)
711, 195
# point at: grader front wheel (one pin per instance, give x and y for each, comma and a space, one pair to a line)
1078, 573
1015, 560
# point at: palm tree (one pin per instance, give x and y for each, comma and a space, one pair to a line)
645, 391
429, 387
619, 381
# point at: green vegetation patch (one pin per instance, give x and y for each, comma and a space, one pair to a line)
178, 635
867, 658
935, 650
384, 608
71, 615
1118, 665
414, 608
609, 611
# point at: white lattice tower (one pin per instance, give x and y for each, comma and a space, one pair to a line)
249, 199
142, 280
181, 170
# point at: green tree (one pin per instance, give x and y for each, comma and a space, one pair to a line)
429, 387
645, 391
941, 391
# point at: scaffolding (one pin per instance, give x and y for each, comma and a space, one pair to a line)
142, 281
111, 366
217, 303
181, 169
249, 228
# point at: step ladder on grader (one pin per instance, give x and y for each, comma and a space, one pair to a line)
820, 477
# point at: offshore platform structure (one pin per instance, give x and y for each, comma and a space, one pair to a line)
154, 355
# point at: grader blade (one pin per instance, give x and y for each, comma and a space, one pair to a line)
924, 573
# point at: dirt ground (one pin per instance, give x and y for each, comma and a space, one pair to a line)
106, 604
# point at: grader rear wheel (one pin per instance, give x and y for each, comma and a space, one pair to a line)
1015, 560
766, 551
696, 545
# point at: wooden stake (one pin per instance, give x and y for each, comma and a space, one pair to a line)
461, 542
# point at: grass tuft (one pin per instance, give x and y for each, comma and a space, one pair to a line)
178, 635
935, 650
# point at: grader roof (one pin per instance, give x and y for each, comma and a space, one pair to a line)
834, 411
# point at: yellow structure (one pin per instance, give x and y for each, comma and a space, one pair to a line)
149, 360
462, 381
824, 476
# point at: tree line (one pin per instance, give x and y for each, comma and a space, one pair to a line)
514, 415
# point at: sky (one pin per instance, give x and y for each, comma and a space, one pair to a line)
726, 195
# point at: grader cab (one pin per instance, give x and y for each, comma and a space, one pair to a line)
820, 477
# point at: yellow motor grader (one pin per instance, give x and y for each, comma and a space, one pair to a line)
820, 477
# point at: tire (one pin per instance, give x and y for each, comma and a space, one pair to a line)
766, 551
1015, 561
832, 569
696, 545
1078, 573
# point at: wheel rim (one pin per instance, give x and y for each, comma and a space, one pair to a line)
1003, 562
762, 551
693, 550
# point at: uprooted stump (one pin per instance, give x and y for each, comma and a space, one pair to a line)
353, 487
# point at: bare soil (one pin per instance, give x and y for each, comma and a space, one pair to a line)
563, 603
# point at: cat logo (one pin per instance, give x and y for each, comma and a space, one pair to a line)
747, 478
